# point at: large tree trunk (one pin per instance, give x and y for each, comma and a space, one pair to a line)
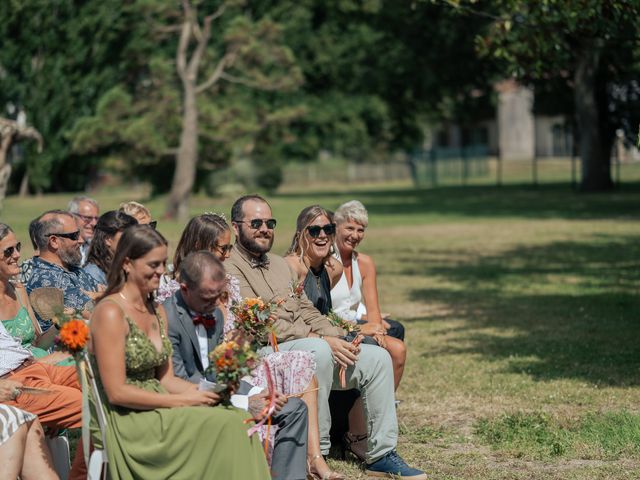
595, 157
5, 173
24, 185
187, 157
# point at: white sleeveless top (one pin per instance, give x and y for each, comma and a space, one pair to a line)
346, 302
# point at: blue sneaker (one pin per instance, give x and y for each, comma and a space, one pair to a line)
393, 466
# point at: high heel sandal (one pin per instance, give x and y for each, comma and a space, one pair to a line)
330, 475
349, 444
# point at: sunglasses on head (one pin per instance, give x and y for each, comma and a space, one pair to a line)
71, 235
153, 224
224, 249
256, 223
9, 250
328, 229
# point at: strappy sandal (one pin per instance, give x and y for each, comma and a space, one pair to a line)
330, 475
350, 444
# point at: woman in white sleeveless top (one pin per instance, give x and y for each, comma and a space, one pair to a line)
355, 296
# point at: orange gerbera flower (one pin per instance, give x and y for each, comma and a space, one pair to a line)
74, 334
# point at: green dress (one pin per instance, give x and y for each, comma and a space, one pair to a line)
21, 327
178, 443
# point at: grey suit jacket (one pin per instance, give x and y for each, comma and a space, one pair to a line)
182, 333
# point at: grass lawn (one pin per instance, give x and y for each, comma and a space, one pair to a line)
522, 313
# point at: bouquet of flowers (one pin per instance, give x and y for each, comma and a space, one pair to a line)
353, 335
340, 322
73, 335
253, 318
231, 361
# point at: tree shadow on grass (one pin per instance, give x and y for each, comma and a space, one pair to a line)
545, 201
563, 310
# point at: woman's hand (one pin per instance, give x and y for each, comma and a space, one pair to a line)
345, 353
372, 329
197, 398
381, 339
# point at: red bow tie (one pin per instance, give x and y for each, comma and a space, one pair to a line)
208, 321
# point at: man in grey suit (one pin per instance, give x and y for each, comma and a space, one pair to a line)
196, 327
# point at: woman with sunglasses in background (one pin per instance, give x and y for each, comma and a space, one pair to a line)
105, 240
15, 308
139, 212
312, 257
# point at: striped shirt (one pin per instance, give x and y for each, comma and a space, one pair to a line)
10, 420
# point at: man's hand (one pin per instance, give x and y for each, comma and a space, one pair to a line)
345, 353
258, 402
8, 390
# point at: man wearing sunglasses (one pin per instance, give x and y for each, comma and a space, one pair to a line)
59, 240
300, 326
87, 211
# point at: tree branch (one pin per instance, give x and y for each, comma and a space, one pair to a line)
181, 53
249, 83
218, 72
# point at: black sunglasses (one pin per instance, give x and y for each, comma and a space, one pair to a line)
9, 250
224, 249
256, 223
328, 229
71, 235
153, 224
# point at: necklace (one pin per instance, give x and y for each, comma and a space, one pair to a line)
316, 276
135, 307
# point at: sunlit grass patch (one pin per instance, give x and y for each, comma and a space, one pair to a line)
539, 435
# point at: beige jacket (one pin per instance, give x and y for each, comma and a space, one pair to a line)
297, 316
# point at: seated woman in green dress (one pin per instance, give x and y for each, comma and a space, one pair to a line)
15, 309
158, 425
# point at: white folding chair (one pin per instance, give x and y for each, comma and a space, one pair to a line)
97, 463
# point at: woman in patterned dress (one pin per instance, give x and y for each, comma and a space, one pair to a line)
15, 309
158, 425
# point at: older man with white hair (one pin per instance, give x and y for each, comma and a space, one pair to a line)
88, 211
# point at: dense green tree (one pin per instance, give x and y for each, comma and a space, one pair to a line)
193, 92
588, 47
56, 60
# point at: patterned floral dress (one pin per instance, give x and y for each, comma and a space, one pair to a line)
21, 328
180, 443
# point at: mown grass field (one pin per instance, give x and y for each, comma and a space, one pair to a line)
522, 308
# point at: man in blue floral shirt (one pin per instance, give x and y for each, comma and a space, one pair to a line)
58, 265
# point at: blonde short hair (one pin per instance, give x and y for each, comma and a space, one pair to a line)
134, 209
354, 211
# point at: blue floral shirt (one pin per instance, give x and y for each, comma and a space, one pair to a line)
73, 282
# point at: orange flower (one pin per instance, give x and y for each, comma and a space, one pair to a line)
223, 362
74, 334
250, 302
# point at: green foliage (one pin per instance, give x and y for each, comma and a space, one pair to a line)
543, 43
538, 435
56, 61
